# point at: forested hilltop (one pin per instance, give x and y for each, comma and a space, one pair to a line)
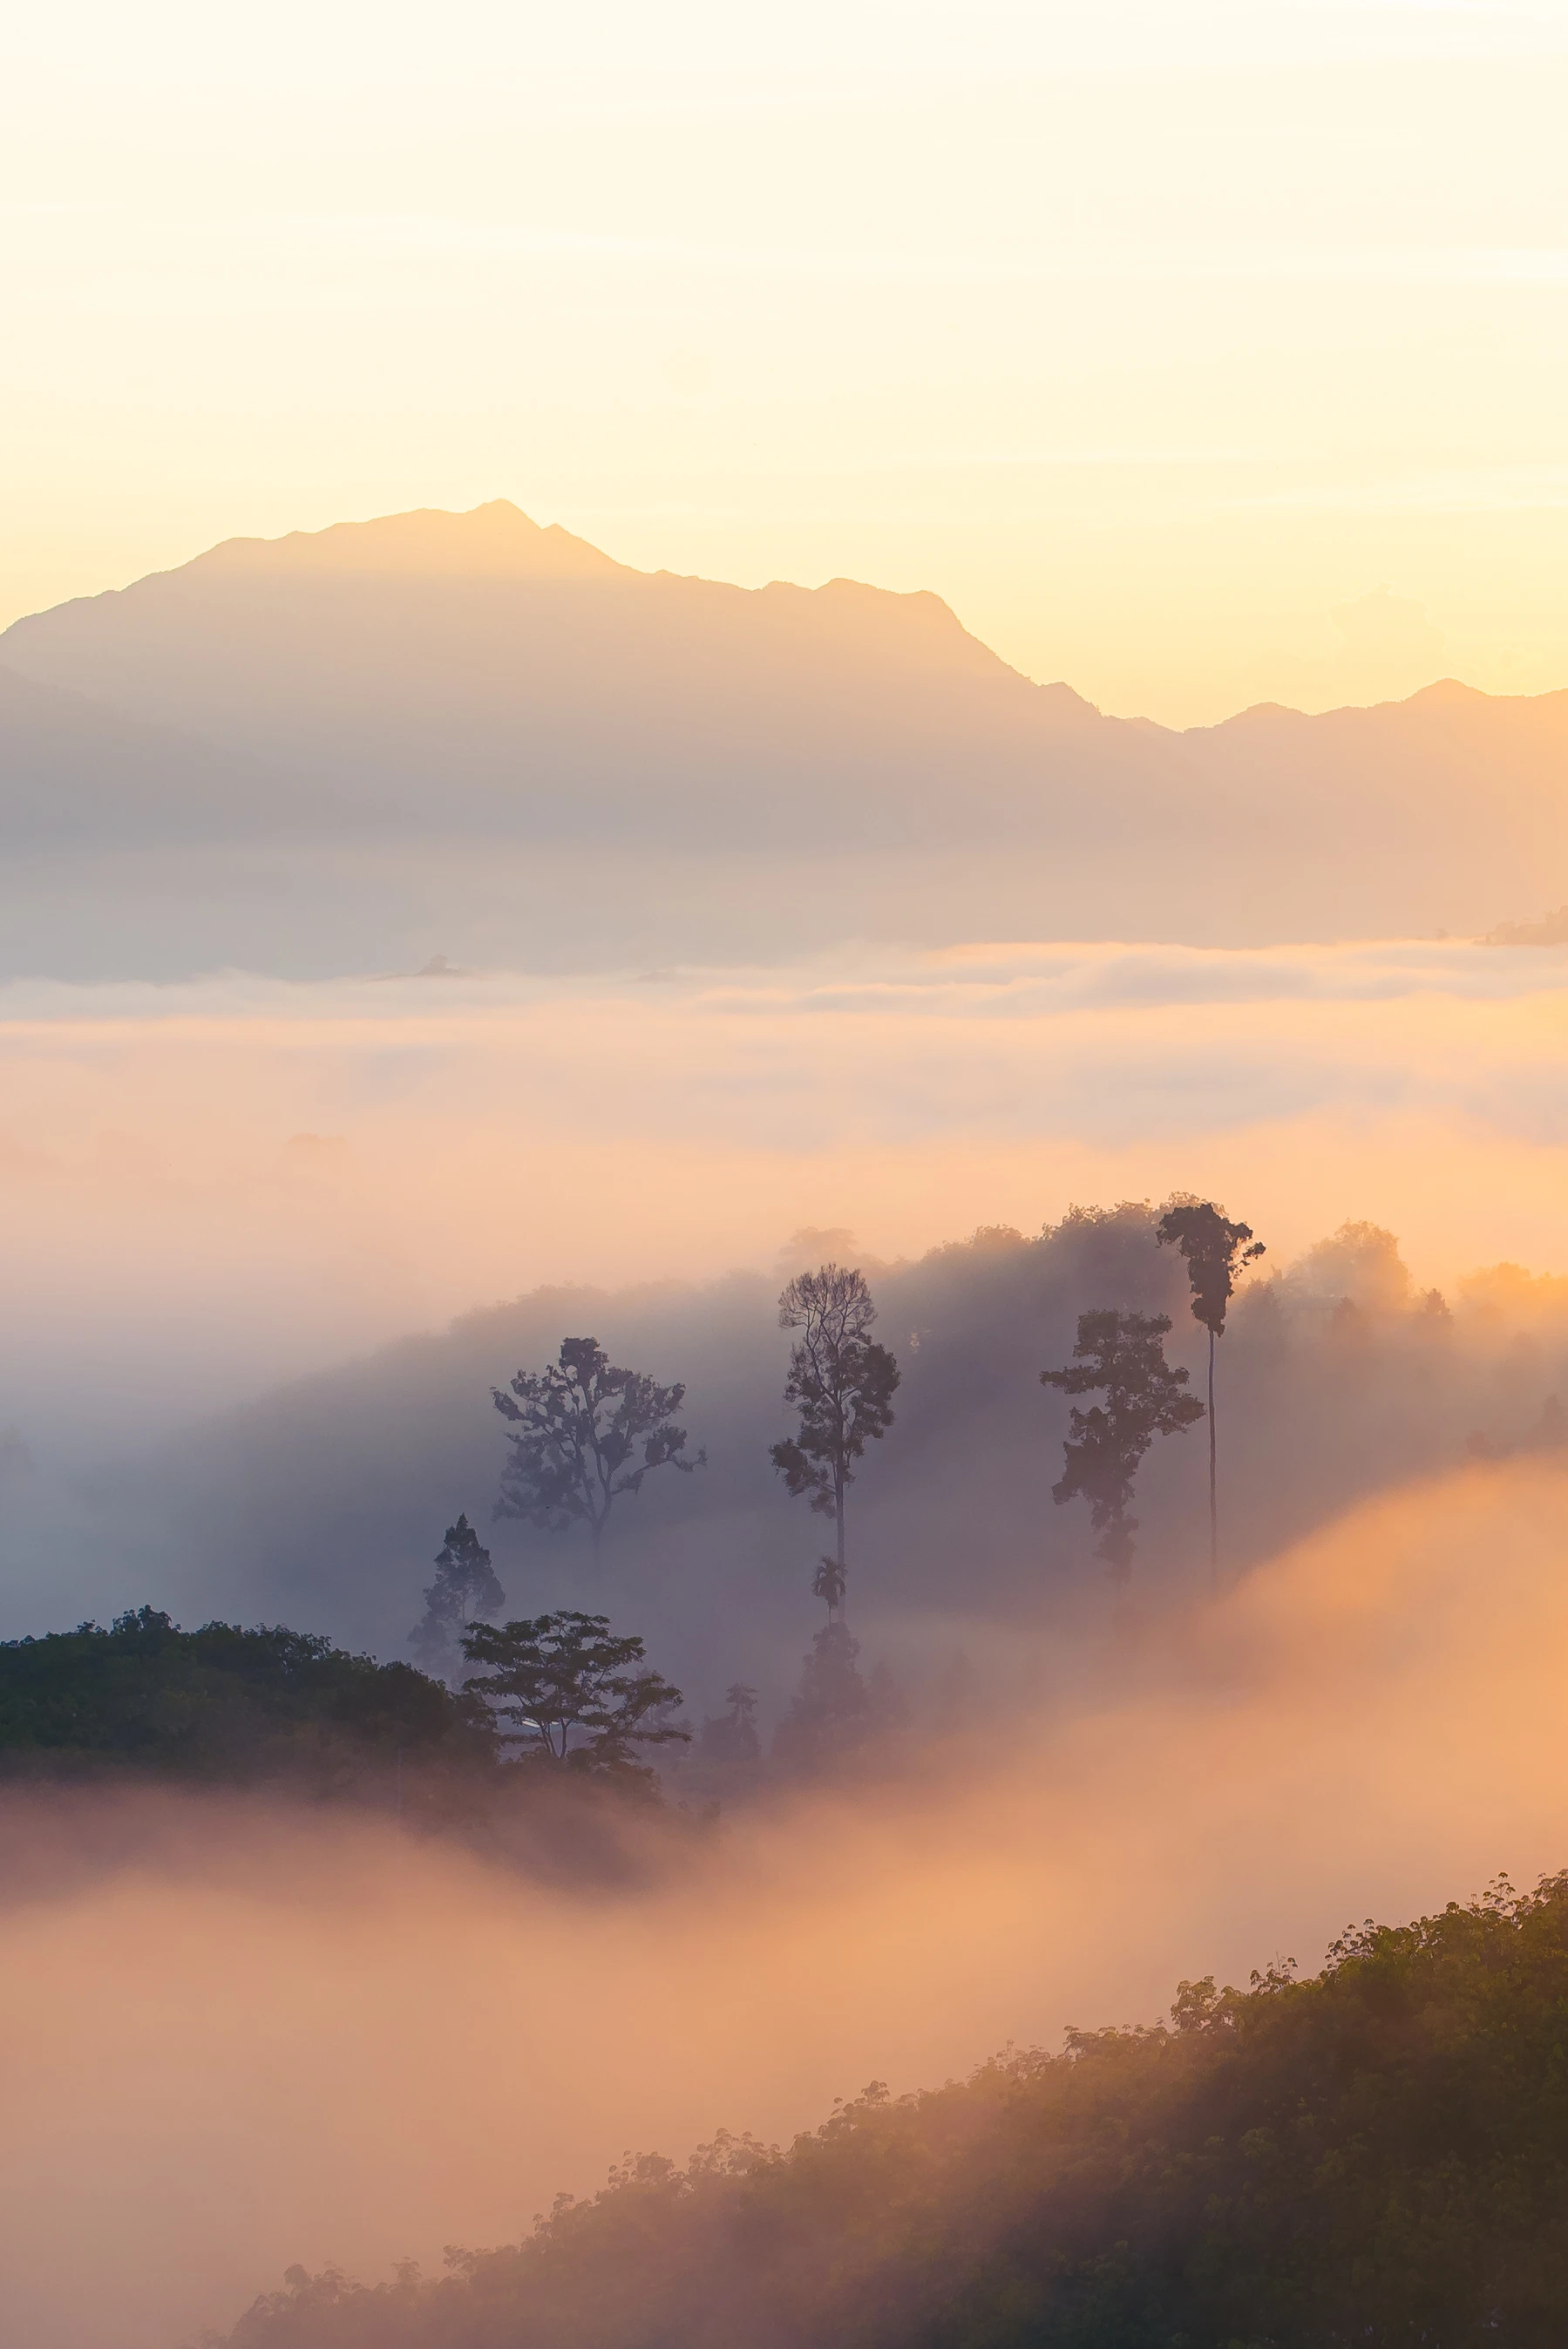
283, 1712
1380, 2154
323, 1503
220, 1704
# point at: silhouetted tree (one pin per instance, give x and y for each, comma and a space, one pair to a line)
730, 1739
1124, 1354
586, 1432
843, 1384
465, 1586
579, 1694
1215, 1249
830, 1711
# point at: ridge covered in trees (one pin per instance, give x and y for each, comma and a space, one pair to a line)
221, 1704
1378, 2153
141, 1703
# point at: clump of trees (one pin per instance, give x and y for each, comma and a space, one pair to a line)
840, 1384
1214, 1250
223, 1705
572, 1692
1122, 1356
273, 1707
584, 1434
1375, 2155
466, 1587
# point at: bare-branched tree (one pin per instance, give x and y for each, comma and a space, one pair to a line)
1124, 1355
841, 1383
1215, 1250
585, 1433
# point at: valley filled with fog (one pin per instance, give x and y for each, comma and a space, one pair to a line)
268, 1249
297, 1174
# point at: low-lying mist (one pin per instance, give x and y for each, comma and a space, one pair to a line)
211, 1187
247, 2035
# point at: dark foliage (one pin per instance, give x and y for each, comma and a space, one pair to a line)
1213, 1249
841, 1383
221, 1703
1124, 1354
466, 1586
572, 1692
585, 1433
1378, 2155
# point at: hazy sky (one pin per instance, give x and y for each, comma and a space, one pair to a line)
1197, 356
207, 1187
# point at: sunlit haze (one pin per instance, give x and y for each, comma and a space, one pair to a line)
1197, 357
783, 1175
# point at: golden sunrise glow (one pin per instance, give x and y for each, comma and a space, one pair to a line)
1197, 359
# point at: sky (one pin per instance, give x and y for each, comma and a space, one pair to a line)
1197, 357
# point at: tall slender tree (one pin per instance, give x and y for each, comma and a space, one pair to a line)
585, 1433
1124, 1355
1215, 1249
841, 1383
465, 1586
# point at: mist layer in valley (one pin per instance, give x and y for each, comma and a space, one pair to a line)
223, 1200
540, 1012
351, 2045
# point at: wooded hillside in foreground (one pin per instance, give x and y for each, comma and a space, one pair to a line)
1378, 2155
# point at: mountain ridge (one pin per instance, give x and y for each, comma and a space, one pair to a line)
497, 540
471, 734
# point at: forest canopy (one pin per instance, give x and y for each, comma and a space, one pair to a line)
1378, 2153
218, 1703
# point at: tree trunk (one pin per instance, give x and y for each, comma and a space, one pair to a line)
1214, 1487
838, 1521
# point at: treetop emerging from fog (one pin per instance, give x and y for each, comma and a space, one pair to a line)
1214, 1250
586, 1434
841, 1383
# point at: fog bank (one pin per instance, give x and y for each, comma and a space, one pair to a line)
261, 2036
208, 1187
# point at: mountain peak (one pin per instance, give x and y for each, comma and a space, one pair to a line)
496, 540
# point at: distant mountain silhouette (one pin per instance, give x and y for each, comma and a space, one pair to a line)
465, 729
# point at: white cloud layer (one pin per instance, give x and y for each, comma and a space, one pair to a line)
270, 1175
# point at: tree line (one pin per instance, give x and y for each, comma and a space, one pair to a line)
1375, 2155
584, 1435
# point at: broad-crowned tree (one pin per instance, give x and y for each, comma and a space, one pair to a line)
465, 1588
578, 1694
1124, 1355
583, 1433
841, 1383
1214, 1249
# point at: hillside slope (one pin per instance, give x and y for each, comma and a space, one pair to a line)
1378, 2155
324, 1501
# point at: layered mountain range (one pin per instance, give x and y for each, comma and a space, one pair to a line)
464, 734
